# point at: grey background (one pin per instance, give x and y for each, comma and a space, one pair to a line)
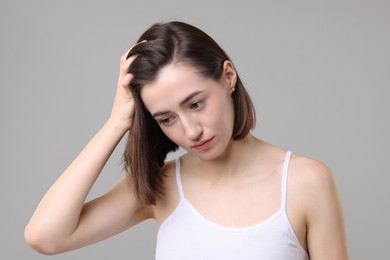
318, 72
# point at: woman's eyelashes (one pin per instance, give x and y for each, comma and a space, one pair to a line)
197, 105
166, 121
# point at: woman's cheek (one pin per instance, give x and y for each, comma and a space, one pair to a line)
171, 134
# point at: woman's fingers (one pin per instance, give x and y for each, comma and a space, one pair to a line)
125, 81
123, 107
126, 61
125, 65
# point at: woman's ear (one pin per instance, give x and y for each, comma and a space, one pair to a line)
229, 75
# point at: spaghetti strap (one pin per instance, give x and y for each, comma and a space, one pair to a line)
178, 179
284, 180
272, 238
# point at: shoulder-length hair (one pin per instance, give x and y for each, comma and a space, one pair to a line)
147, 146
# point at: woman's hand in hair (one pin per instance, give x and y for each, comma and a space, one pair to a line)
123, 108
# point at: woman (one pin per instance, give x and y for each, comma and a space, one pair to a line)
231, 196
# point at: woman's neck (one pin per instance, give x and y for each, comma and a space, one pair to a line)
234, 161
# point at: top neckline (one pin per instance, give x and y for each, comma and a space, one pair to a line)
276, 214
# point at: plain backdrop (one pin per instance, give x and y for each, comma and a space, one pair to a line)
318, 72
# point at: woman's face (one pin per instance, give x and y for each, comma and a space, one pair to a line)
196, 113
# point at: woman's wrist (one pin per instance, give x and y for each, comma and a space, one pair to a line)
118, 127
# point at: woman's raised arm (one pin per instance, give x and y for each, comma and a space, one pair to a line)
62, 220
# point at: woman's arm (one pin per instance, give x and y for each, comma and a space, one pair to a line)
62, 220
326, 236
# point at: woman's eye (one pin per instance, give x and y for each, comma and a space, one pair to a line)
196, 105
166, 121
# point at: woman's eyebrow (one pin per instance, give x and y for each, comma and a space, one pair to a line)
185, 100
189, 97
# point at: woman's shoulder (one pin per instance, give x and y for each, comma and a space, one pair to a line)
313, 190
312, 183
310, 171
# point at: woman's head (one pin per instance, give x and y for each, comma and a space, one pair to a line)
170, 46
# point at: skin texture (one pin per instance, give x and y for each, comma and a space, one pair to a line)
235, 174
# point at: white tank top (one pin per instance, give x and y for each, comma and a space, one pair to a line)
187, 235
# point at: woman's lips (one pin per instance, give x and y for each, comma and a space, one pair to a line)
203, 145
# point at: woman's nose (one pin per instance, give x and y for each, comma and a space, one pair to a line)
192, 129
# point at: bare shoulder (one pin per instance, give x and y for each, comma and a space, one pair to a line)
314, 194
311, 187
314, 189
312, 175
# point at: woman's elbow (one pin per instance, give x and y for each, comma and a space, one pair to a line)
39, 241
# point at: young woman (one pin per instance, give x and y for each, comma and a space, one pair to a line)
231, 196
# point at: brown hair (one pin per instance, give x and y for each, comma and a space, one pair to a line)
147, 146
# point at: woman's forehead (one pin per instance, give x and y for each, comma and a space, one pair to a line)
172, 85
